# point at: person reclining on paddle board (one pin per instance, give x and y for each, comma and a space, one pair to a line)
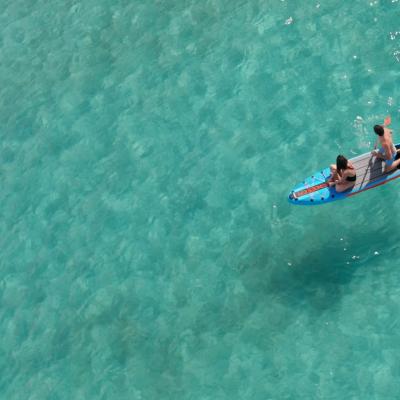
387, 152
343, 174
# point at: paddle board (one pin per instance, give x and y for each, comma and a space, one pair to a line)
370, 174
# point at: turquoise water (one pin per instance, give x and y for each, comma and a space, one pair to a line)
147, 247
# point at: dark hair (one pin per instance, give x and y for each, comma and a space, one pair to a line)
379, 130
341, 162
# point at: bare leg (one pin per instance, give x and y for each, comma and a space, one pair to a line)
334, 174
341, 187
393, 166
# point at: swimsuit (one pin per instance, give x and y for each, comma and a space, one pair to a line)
394, 151
351, 178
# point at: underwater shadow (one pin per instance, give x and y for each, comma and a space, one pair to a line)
318, 274
315, 279
320, 277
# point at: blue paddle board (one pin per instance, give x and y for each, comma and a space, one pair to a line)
315, 190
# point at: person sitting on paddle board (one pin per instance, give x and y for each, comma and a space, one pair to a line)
387, 151
343, 174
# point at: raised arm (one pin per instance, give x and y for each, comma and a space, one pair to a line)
387, 121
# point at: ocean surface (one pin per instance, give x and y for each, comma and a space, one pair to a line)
147, 247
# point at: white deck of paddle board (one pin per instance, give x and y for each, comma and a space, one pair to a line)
369, 169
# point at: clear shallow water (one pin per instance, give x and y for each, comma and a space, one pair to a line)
147, 248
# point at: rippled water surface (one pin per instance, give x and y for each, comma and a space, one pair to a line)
147, 247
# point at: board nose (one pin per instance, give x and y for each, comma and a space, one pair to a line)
292, 197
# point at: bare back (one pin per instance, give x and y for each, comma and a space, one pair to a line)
387, 143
